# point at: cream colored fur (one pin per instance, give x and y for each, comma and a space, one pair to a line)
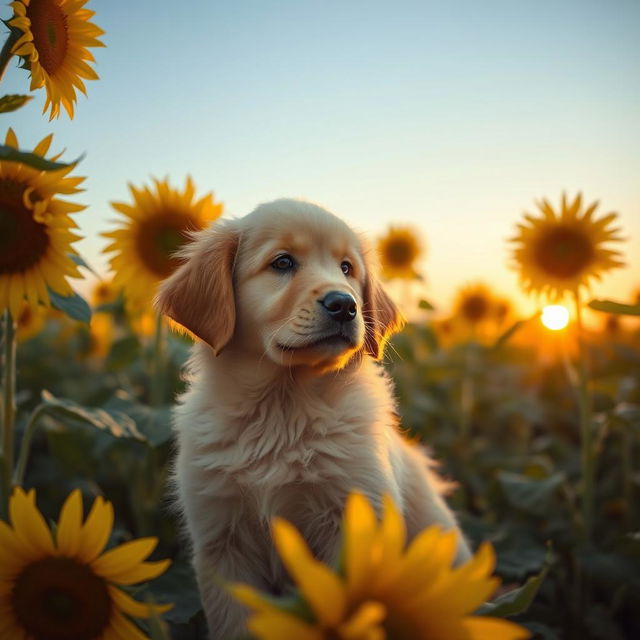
270, 426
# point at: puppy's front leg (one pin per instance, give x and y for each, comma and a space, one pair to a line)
214, 565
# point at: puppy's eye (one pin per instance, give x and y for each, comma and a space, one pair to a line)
283, 263
347, 267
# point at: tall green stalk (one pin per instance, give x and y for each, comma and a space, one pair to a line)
8, 405
586, 427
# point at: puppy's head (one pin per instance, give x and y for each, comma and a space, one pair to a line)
290, 282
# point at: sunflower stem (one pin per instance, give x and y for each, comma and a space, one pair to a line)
586, 426
8, 405
25, 444
156, 394
6, 54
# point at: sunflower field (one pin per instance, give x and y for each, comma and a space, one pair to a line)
536, 422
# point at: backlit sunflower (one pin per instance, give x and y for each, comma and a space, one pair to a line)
387, 591
104, 292
35, 231
30, 321
474, 304
398, 251
158, 223
559, 252
54, 41
62, 586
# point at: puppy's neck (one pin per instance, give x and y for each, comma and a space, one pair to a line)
238, 374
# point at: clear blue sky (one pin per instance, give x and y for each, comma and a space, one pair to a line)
451, 116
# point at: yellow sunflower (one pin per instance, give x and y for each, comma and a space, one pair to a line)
35, 231
474, 304
158, 224
54, 38
398, 251
559, 252
30, 321
62, 586
387, 591
104, 292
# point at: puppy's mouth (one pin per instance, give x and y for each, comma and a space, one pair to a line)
335, 340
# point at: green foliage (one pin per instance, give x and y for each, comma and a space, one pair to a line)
608, 306
13, 102
75, 306
9, 154
502, 420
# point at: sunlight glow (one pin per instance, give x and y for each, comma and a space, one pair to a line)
555, 317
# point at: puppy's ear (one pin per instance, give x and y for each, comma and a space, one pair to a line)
382, 317
199, 294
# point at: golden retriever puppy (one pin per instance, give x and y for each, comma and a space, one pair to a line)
287, 409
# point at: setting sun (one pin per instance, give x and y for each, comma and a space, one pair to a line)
555, 317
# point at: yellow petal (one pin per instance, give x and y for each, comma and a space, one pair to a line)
359, 534
321, 588
125, 556
281, 626
140, 573
28, 523
480, 628
96, 530
132, 607
69, 524
251, 598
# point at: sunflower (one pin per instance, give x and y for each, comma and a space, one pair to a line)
104, 292
387, 591
398, 251
30, 321
62, 586
35, 231
474, 304
158, 224
53, 41
559, 252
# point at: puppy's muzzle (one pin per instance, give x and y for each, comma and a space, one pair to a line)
340, 306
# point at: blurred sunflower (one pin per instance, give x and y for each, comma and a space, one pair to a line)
559, 252
54, 38
158, 224
104, 292
387, 591
35, 231
474, 304
101, 332
63, 587
398, 251
30, 321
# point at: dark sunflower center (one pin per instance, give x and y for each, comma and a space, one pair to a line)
159, 238
49, 28
475, 307
399, 253
23, 241
563, 252
60, 599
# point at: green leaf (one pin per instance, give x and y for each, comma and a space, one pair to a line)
154, 423
123, 352
510, 331
13, 102
81, 262
426, 305
517, 601
117, 424
178, 585
75, 306
528, 494
609, 306
9, 154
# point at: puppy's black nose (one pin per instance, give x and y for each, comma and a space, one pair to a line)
340, 306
